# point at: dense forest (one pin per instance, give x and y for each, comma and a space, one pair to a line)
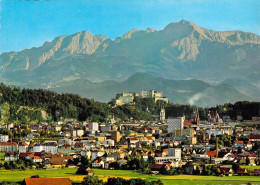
25, 105
60, 106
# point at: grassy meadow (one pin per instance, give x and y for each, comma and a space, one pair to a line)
14, 176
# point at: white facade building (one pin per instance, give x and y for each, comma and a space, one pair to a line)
23, 148
93, 126
96, 154
176, 152
4, 138
108, 142
47, 147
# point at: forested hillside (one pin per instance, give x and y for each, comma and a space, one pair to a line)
36, 105
60, 106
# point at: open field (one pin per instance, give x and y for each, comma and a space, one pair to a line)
104, 174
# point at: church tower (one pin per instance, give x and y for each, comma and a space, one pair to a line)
162, 115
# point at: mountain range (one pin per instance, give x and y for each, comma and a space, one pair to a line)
193, 92
182, 50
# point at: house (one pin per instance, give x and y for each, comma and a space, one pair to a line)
159, 153
144, 156
108, 143
36, 159
108, 165
132, 142
239, 144
79, 146
122, 162
98, 163
86, 153
225, 170
249, 145
257, 172
51, 147
156, 168
242, 171
54, 163
8, 147
119, 155
97, 153
23, 147
254, 137
10, 156
109, 158
89, 172
47, 181
211, 153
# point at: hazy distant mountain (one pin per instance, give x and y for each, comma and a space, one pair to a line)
245, 87
181, 50
193, 92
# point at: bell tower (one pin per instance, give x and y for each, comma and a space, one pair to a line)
162, 115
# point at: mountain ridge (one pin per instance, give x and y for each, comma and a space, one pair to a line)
181, 50
194, 92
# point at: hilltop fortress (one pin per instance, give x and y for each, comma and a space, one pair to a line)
128, 98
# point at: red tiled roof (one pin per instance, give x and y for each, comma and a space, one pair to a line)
211, 153
47, 181
79, 144
23, 144
6, 143
38, 153
254, 136
30, 155
9, 153
252, 155
187, 123
36, 157
57, 161
63, 157
241, 170
159, 166
224, 169
239, 142
25, 154
133, 139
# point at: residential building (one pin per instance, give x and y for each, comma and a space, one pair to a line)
4, 138
23, 147
47, 147
8, 147
175, 152
93, 126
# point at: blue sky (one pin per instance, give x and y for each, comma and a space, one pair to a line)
29, 23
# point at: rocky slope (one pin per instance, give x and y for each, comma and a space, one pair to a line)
181, 50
